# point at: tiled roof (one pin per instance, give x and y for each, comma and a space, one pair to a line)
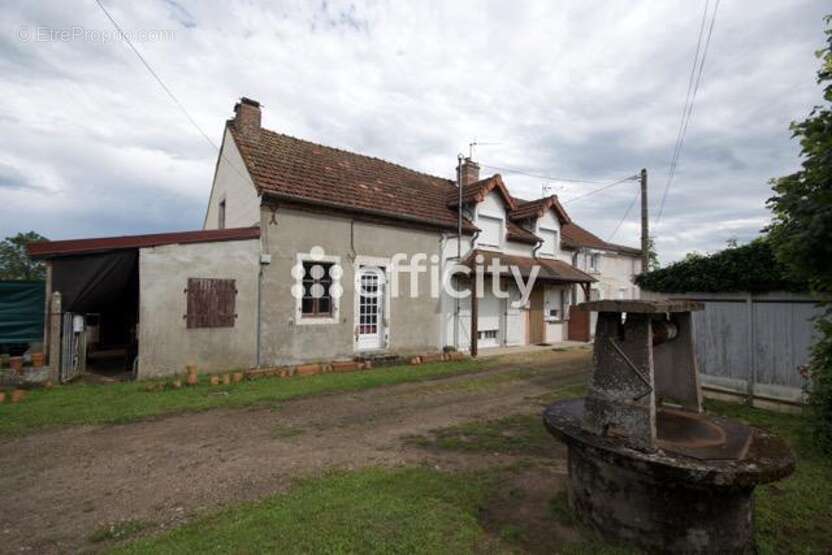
307, 172
477, 191
552, 270
535, 209
516, 233
574, 236
46, 249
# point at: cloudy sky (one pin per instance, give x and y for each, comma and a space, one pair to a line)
93, 146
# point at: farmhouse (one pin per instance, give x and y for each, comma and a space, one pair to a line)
313, 253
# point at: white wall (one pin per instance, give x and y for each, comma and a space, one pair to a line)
233, 184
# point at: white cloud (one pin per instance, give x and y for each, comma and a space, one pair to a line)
581, 89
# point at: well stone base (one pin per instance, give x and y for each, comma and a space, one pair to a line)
641, 508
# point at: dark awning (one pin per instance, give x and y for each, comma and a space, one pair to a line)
551, 270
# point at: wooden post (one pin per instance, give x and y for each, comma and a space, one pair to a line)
53, 349
645, 231
474, 316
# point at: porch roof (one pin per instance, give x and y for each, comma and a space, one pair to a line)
551, 270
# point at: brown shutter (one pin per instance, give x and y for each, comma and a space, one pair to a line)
211, 303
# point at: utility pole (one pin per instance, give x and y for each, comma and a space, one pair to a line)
645, 230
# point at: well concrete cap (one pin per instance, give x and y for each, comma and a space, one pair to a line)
641, 306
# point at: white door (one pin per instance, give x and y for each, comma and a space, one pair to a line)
488, 323
370, 318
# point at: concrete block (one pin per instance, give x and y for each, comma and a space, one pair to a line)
432, 357
226, 379
416, 360
237, 377
308, 370
191, 375
346, 366
455, 355
215, 380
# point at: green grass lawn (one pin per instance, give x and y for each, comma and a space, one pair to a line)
76, 404
794, 515
406, 510
424, 510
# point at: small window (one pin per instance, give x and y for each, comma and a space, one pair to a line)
487, 334
550, 241
211, 303
221, 215
492, 229
317, 294
594, 262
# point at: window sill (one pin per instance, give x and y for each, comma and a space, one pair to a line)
315, 320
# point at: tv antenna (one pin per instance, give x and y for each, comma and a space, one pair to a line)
474, 143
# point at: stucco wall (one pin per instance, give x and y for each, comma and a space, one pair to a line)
414, 323
166, 345
232, 184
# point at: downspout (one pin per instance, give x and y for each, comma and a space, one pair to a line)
443, 330
259, 289
458, 243
537, 248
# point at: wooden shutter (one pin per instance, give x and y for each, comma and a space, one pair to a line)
211, 303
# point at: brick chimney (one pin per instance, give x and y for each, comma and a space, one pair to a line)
470, 172
247, 115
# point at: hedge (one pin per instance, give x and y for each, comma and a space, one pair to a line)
748, 268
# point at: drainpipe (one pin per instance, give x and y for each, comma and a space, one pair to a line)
537, 248
443, 332
259, 289
458, 242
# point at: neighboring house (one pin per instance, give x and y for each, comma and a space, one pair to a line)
325, 220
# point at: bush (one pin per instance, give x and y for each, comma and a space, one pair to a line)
752, 268
820, 394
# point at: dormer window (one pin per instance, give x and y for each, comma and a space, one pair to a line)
491, 230
550, 241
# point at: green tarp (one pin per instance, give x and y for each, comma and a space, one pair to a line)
21, 311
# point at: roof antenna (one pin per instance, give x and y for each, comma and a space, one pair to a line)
474, 143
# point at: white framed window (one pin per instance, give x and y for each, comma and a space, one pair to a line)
317, 289
595, 262
491, 230
550, 241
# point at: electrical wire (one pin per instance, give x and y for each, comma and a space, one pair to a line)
687, 110
626, 213
539, 176
167, 90
600, 189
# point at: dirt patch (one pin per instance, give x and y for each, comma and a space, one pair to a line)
521, 512
60, 487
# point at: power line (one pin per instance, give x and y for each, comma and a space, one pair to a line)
169, 92
539, 176
626, 213
600, 189
687, 111
181, 107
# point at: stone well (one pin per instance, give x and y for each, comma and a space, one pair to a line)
646, 465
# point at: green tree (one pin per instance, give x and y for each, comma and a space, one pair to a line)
652, 255
15, 264
801, 233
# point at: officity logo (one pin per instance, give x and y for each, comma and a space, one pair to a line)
317, 277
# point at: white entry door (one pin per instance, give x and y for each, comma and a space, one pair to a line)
370, 317
488, 323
